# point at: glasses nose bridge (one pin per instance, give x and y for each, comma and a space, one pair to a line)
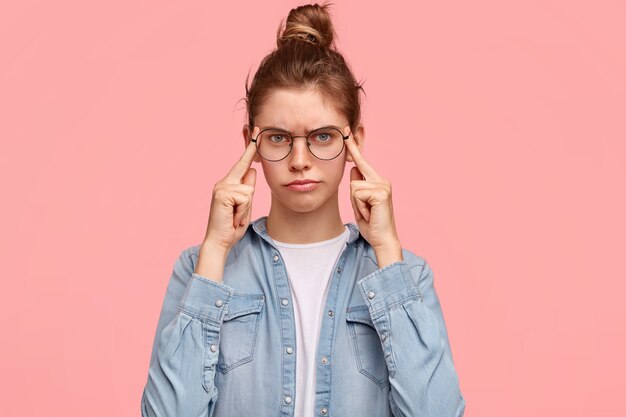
299, 136
307, 143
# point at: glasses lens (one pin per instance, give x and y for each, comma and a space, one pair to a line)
273, 144
326, 143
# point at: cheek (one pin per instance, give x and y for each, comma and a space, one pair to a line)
335, 171
272, 172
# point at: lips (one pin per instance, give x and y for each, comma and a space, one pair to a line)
302, 185
300, 182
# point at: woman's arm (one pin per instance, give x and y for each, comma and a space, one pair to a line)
407, 315
185, 348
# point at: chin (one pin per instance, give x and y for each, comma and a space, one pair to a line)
300, 202
302, 205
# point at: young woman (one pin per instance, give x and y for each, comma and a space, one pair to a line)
297, 313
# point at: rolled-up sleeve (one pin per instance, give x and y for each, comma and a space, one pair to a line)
407, 315
185, 347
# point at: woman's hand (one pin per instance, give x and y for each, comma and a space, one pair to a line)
231, 203
370, 195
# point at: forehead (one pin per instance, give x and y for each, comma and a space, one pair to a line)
298, 110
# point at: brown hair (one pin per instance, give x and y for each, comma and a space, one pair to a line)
306, 57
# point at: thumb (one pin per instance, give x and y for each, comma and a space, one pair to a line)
355, 174
360, 207
250, 177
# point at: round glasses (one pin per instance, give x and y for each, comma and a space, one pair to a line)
325, 143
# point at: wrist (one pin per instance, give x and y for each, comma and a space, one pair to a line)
388, 254
211, 261
214, 247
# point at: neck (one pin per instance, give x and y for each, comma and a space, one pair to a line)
288, 226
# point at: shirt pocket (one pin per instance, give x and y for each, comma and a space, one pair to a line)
366, 346
238, 334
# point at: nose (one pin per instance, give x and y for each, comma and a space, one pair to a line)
300, 157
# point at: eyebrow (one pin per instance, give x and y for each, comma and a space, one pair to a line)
306, 131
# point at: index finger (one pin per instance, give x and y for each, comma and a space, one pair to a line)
366, 169
240, 168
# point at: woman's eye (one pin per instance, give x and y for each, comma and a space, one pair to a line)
277, 138
323, 137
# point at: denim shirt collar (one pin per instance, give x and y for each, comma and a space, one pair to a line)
259, 227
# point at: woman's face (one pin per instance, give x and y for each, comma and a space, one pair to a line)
298, 112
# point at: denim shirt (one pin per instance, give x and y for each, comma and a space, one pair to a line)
228, 348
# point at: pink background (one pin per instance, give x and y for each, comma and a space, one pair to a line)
500, 125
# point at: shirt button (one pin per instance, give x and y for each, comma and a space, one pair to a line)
284, 302
287, 399
213, 348
219, 303
384, 337
324, 411
275, 258
371, 294
339, 270
331, 313
289, 350
324, 360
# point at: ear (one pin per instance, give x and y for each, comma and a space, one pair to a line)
359, 137
246, 138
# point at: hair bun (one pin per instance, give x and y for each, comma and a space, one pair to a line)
310, 23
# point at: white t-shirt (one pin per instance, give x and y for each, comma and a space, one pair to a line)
309, 267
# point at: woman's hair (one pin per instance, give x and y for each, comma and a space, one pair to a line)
306, 57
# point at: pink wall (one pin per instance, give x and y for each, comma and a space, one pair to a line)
500, 125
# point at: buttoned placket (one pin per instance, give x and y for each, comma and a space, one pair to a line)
287, 323
325, 341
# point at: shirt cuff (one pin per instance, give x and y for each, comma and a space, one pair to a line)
389, 287
206, 299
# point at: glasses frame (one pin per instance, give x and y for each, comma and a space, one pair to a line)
308, 144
